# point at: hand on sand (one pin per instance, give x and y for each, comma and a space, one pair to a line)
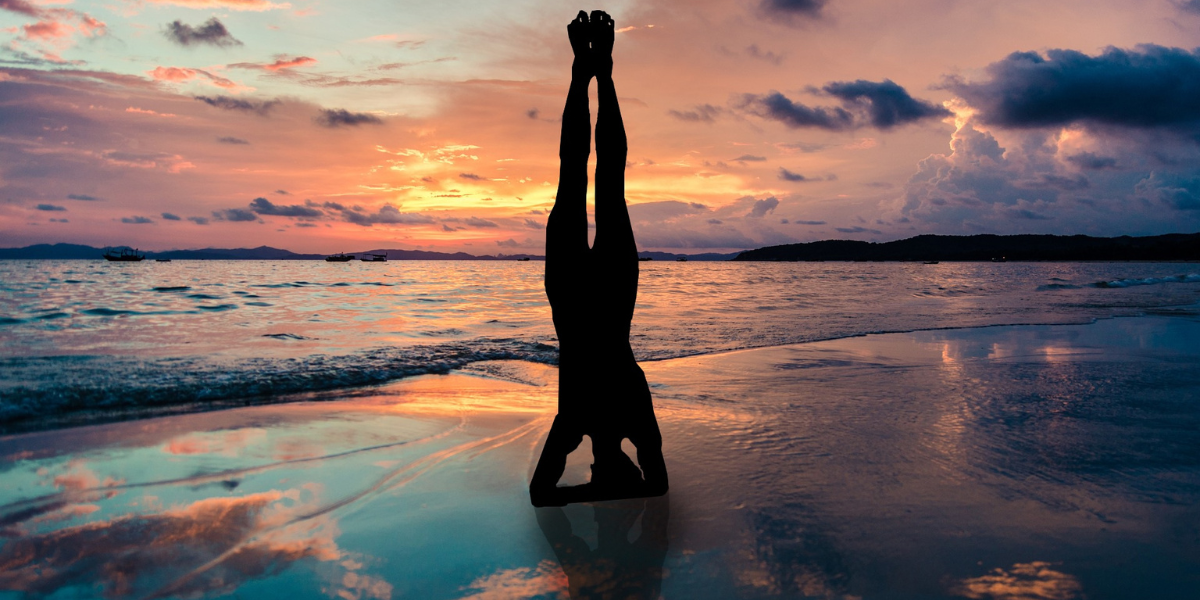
580, 33
603, 31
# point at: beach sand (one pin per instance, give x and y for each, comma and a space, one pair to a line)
1022, 462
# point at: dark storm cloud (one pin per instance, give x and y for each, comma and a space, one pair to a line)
857, 229
211, 32
1088, 160
703, 113
227, 103
792, 11
22, 7
170, 217
886, 103
386, 215
136, 220
263, 206
777, 107
51, 207
477, 222
1151, 86
787, 175
84, 197
235, 215
339, 117
232, 140
762, 207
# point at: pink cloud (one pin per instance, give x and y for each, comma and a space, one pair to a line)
244, 5
283, 63
48, 30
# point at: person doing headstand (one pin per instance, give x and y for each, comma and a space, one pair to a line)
602, 391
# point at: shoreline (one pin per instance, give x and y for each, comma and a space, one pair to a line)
84, 418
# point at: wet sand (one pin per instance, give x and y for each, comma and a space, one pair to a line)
1040, 462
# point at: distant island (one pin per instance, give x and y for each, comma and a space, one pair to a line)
80, 251
983, 247
1170, 247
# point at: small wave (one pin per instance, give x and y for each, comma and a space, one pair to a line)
171, 288
108, 312
1124, 283
203, 297
53, 315
287, 336
40, 388
217, 308
10, 321
1057, 286
258, 303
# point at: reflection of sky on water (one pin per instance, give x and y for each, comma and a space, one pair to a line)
1014, 463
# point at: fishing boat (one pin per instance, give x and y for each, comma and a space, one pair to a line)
125, 254
339, 258
375, 258
681, 259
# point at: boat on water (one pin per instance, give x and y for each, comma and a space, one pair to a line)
374, 258
125, 254
681, 259
644, 258
162, 260
339, 258
930, 262
523, 259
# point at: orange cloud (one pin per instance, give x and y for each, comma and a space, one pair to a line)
299, 61
182, 74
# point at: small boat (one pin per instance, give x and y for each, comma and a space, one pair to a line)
681, 259
339, 258
930, 262
644, 258
523, 259
1001, 259
374, 258
125, 254
162, 260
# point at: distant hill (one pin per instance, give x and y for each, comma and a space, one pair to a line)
706, 256
1176, 246
77, 251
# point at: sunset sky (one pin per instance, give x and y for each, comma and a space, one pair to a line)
323, 126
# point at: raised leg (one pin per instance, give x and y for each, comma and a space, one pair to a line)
566, 229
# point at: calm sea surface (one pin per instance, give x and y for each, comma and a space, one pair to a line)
95, 335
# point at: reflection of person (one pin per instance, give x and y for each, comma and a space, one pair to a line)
617, 568
602, 390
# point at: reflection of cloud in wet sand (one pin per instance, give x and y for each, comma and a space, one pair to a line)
224, 443
547, 580
212, 545
1024, 581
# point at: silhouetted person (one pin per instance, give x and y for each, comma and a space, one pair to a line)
602, 391
617, 568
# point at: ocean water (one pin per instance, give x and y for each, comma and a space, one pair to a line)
81, 337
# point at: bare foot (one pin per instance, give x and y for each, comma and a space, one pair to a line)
603, 32
580, 33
